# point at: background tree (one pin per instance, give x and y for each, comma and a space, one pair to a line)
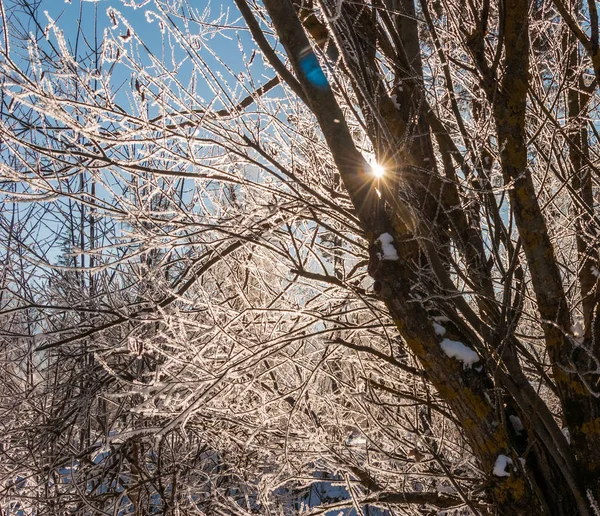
215, 301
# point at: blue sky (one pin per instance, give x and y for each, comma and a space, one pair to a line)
94, 20
68, 14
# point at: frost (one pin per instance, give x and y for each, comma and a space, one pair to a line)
110, 50
196, 42
389, 251
593, 503
516, 424
442, 489
459, 351
439, 329
500, 466
151, 16
355, 439
134, 4
50, 26
113, 15
126, 38
578, 331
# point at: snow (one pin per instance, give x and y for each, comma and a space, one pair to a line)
516, 424
355, 438
567, 434
443, 489
132, 3
356, 441
593, 503
439, 329
500, 466
389, 251
458, 350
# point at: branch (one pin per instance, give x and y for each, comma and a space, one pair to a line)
353, 168
243, 104
269, 53
440, 501
162, 304
387, 358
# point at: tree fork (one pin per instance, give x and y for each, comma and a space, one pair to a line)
582, 410
463, 389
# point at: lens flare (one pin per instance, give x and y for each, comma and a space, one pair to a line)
377, 170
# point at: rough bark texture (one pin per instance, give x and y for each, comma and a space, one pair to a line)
401, 134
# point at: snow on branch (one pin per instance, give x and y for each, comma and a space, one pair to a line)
458, 350
387, 246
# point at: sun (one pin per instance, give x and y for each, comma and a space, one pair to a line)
377, 170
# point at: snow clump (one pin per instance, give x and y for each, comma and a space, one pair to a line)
458, 350
500, 466
389, 251
516, 423
439, 329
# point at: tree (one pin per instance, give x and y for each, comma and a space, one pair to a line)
353, 267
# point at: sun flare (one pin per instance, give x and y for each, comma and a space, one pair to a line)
377, 170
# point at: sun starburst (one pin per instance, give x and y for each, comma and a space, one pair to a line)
378, 170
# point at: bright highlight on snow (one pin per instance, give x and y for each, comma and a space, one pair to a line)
389, 251
439, 329
458, 350
377, 170
500, 466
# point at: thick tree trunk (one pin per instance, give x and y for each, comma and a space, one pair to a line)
464, 389
400, 133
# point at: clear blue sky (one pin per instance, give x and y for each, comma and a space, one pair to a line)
92, 16
93, 19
